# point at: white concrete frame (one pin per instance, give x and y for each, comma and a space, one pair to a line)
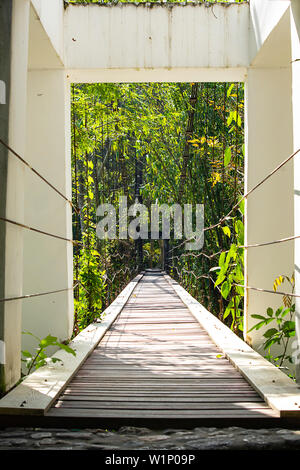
53, 47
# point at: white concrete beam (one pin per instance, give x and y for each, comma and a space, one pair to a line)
276, 49
183, 75
42, 54
50, 14
264, 17
102, 39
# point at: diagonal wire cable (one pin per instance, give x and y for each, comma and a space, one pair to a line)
29, 296
37, 173
27, 227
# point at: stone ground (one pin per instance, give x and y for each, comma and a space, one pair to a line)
136, 438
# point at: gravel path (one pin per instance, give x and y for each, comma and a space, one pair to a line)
134, 438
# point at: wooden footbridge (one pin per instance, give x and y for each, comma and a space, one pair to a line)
155, 364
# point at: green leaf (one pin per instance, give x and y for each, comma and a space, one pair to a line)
242, 206
31, 334
225, 289
270, 312
41, 363
270, 342
270, 332
220, 279
288, 326
285, 312
48, 341
67, 349
222, 259
230, 118
227, 232
230, 90
279, 311
257, 326
240, 290
239, 230
231, 253
227, 313
55, 359
227, 156
27, 354
259, 317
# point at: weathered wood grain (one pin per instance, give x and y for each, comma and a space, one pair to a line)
156, 361
36, 393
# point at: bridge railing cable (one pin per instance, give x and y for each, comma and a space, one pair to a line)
34, 229
16, 154
42, 232
29, 296
227, 216
254, 245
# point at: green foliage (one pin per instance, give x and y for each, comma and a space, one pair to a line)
40, 358
282, 325
230, 274
119, 130
89, 303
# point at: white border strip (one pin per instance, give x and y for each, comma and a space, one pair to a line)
276, 388
39, 390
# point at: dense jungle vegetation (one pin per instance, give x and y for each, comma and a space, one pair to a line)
159, 143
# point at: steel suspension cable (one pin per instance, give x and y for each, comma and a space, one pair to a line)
27, 227
36, 173
29, 296
226, 217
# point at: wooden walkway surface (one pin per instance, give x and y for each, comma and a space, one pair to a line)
157, 363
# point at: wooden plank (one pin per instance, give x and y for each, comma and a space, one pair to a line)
147, 400
157, 362
277, 389
138, 368
161, 414
156, 405
37, 392
115, 394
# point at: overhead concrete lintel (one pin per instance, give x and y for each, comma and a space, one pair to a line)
276, 388
152, 37
139, 75
38, 391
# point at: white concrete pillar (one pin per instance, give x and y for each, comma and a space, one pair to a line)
11, 311
295, 35
269, 210
48, 262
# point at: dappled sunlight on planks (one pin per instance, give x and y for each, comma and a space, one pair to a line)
157, 362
